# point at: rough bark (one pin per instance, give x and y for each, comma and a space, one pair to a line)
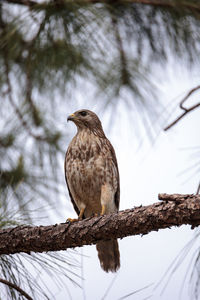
175, 210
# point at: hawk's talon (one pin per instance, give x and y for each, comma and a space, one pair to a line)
80, 217
96, 215
70, 220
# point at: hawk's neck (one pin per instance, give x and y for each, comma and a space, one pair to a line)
89, 132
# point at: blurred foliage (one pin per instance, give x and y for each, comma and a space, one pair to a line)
18, 269
52, 51
24, 270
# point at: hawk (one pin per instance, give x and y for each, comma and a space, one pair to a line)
92, 178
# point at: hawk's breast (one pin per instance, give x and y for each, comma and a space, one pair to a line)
85, 169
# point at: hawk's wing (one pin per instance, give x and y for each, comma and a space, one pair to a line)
117, 194
72, 200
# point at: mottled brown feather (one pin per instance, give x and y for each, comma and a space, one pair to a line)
92, 178
72, 200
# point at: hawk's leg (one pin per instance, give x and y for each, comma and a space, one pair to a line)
107, 199
80, 217
103, 209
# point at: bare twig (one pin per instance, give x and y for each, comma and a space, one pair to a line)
187, 96
185, 109
17, 288
174, 197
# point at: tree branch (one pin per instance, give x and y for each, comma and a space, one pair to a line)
185, 110
175, 210
15, 107
157, 3
17, 288
29, 3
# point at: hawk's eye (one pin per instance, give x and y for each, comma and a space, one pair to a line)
83, 113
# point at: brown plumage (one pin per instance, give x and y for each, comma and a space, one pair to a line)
92, 178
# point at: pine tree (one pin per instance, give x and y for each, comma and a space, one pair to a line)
50, 52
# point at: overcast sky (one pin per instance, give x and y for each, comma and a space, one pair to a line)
145, 171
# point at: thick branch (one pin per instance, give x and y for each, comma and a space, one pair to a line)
175, 210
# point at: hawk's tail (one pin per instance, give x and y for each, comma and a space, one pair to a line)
108, 253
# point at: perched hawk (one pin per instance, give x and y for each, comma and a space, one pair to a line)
92, 178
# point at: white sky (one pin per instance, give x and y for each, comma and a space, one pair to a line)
145, 173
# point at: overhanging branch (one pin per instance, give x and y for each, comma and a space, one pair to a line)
29, 3
175, 210
195, 7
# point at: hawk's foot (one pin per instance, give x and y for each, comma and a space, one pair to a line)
96, 214
70, 220
80, 217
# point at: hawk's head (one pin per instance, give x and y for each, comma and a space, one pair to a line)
85, 118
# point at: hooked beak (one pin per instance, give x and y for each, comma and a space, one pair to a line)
71, 117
